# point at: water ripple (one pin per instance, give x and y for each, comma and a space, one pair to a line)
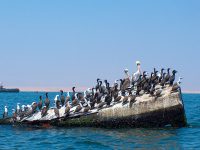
14, 137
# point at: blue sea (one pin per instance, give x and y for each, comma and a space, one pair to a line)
12, 137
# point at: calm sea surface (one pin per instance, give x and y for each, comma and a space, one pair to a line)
95, 138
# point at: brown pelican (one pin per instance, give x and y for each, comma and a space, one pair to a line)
137, 74
127, 81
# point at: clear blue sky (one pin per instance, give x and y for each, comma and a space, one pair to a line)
64, 43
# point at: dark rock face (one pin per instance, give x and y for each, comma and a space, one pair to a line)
161, 112
173, 116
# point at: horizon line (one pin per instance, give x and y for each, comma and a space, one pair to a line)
69, 89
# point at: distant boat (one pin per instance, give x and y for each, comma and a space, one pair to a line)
2, 89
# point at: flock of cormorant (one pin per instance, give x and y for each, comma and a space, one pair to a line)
103, 95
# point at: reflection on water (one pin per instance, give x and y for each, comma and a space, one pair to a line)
90, 137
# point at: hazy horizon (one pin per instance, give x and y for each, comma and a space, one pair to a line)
48, 44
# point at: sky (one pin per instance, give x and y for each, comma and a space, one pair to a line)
71, 43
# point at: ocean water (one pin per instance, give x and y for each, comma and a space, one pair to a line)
12, 137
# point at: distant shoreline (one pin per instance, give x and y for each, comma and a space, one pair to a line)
55, 89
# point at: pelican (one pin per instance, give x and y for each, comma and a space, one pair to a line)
127, 80
137, 74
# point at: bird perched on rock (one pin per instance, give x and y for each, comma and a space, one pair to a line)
67, 97
57, 102
47, 102
127, 81
34, 107
73, 93
163, 81
161, 74
172, 77
78, 108
67, 110
18, 108
132, 99
40, 103
176, 85
152, 90
86, 109
44, 111
14, 115
62, 98
5, 114
168, 75
158, 93
125, 100
100, 106
75, 100
56, 111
